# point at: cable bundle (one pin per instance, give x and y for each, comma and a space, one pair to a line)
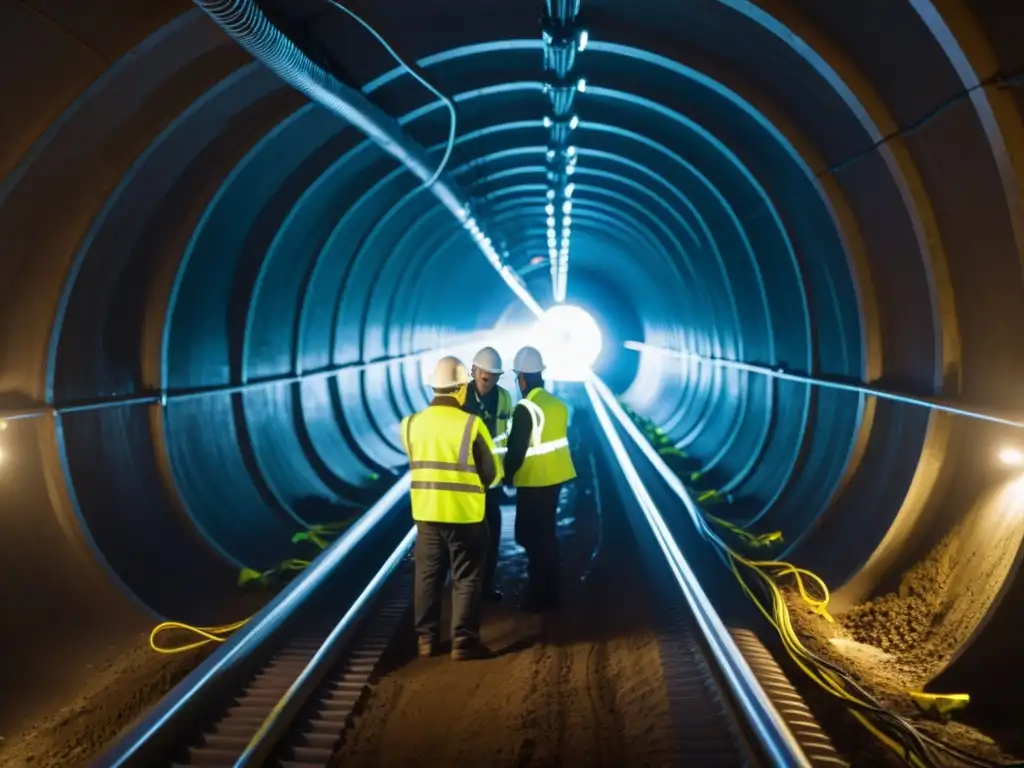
894, 731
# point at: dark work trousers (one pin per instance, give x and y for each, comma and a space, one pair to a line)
494, 497
536, 511
465, 548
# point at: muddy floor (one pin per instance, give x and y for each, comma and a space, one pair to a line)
581, 687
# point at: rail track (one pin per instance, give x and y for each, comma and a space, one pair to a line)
284, 688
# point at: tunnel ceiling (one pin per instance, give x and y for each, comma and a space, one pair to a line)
828, 188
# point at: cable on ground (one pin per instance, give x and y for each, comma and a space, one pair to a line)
319, 536
892, 730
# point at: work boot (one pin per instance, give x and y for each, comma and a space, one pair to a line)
492, 596
426, 646
472, 652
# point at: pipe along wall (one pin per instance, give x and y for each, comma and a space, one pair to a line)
215, 294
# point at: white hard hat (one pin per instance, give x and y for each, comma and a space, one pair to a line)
449, 372
528, 360
488, 359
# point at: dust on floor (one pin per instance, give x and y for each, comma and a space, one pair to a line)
122, 689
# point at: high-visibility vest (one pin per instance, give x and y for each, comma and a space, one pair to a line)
502, 425
445, 485
504, 415
548, 459
503, 419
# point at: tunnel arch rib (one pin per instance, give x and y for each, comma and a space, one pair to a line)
221, 297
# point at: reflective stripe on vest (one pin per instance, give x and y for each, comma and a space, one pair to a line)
537, 445
548, 460
445, 486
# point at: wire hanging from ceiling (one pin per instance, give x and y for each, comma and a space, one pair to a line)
444, 99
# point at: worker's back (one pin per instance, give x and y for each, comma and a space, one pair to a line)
548, 460
446, 487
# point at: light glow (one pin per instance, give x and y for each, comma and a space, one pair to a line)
1011, 457
570, 340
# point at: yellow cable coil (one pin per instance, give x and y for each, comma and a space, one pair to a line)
319, 535
207, 635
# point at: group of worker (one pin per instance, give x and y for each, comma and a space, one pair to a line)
462, 448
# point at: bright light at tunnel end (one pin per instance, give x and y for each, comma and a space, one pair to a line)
1011, 457
570, 340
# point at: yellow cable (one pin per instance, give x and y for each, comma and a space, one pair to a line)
317, 535
769, 571
902, 752
782, 621
209, 634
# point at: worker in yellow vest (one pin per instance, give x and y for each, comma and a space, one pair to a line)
538, 462
493, 404
451, 458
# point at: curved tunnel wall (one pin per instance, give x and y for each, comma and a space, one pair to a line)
251, 282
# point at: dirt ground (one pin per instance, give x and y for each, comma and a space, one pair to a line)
898, 642
121, 690
582, 687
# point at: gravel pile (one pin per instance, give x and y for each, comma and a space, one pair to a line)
897, 642
905, 622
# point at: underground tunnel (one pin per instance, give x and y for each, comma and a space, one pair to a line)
797, 228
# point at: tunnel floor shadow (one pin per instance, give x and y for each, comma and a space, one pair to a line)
582, 686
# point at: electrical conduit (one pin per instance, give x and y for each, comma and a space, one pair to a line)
246, 24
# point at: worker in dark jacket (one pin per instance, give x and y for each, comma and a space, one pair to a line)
451, 458
538, 462
493, 404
